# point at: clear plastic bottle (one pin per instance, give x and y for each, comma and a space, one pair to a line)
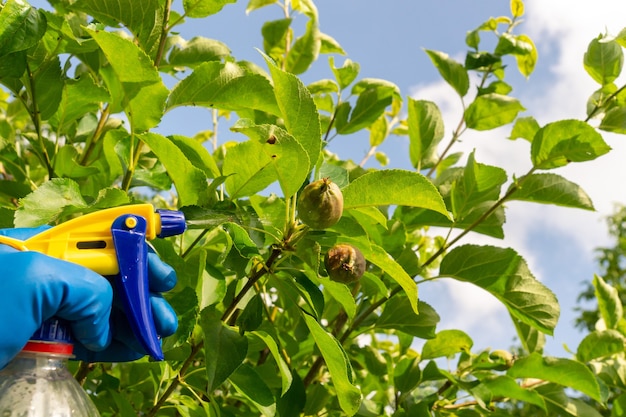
37, 382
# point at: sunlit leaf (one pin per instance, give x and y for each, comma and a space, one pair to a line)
604, 60
559, 143
425, 132
49, 202
566, 372
505, 274
298, 111
599, 344
204, 8
452, 72
143, 90
189, 180
491, 110
403, 188
552, 189
21, 26
271, 155
196, 51
141, 18
225, 86
614, 120
447, 343
349, 395
609, 302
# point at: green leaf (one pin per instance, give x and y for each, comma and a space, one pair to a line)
406, 375
558, 402
298, 111
197, 154
251, 385
452, 72
599, 344
526, 62
346, 74
283, 367
609, 302
271, 155
224, 348
565, 372
196, 51
343, 295
370, 105
517, 8
65, 164
48, 87
78, 98
425, 132
204, 8
479, 184
141, 18
190, 181
340, 370
226, 86
305, 49
275, 37
525, 128
491, 110
447, 343
257, 4
21, 27
503, 386
604, 60
142, 87
53, 199
532, 339
559, 143
404, 188
505, 274
513, 44
379, 257
614, 120
551, 189
252, 315
329, 45
400, 315
619, 406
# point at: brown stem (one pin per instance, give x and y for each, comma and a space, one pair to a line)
83, 370
89, 147
164, 32
251, 281
176, 382
35, 117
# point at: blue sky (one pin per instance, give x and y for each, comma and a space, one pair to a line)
387, 40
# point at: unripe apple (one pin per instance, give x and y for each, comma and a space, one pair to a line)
320, 204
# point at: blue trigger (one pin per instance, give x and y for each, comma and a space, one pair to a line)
131, 284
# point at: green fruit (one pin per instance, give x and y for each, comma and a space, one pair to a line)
344, 263
320, 204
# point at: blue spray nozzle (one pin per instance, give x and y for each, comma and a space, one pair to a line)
172, 223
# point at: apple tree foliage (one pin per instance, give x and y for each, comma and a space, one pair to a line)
263, 330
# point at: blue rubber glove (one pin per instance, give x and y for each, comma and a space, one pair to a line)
35, 287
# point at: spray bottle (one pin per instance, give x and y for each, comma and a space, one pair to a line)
111, 242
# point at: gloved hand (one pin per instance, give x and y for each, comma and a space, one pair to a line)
35, 287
